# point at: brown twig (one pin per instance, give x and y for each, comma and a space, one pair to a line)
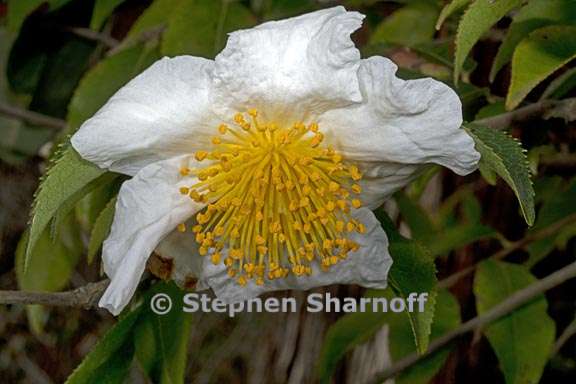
530, 238
31, 117
545, 108
86, 296
516, 300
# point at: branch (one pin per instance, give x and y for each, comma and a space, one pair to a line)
31, 117
545, 108
86, 296
516, 300
531, 237
89, 34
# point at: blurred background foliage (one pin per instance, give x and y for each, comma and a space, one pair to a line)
500, 229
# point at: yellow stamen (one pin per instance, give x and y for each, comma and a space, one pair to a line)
277, 200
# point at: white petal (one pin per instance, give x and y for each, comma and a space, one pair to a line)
149, 206
293, 67
182, 249
157, 115
367, 267
408, 123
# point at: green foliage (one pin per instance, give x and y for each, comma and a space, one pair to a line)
449, 9
522, 340
199, 27
50, 266
102, 361
410, 25
102, 9
538, 56
559, 202
164, 354
101, 229
505, 156
412, 271
534, 15
18, 10
446, 318
477, 20
68, 179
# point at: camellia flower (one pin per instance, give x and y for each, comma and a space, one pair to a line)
257, 171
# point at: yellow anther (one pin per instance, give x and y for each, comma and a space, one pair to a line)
219, 231
330, 206
313, 127
333, 186
317, 139
239, 118
223, 128
355, 173
197, 228
356, 203
216, 140
259, 216
356, 188
304, 202
215, 258
260, 240
350, 226
340, 225
231, 273
184, 171
184, 190
253, 112
181, 227
202, 251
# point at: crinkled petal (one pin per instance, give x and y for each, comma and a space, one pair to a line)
163, 112
367, 267
149, 206
291, 68
407, 123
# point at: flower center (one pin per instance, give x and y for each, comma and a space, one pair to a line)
276, 198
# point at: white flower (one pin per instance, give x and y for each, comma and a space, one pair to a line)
267, 159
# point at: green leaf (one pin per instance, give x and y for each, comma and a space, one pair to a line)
63, 182
413, 271
18, 11
103, 9
170, 332
416, 217
101, 229
504, 155
102, 81
561, 85
534, 15
477, 20
446, 318
523, 339
114, 371
538, 56
155, 16
410, 25
458, 236
50, 266
449, 9
106, 351
559, 201
199, 27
